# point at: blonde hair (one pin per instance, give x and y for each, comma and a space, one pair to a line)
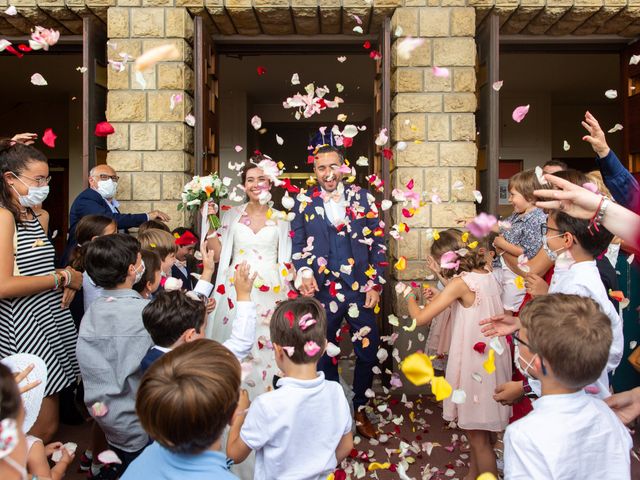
451, 241
571, 333
525, 183
159, 241
595, 177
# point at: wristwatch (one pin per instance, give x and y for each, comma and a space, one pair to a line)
528, 391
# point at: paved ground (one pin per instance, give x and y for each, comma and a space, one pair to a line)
421, 431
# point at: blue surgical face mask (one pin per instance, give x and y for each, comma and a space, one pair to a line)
552, 254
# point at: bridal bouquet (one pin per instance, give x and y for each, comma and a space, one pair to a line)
200, 191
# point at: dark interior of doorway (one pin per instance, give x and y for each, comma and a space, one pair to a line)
242, 87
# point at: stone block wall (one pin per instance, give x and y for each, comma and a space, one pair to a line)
152, 148
434, 117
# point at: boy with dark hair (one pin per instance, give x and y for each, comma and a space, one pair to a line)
583, 240
185, 401
554, 166
565, 342
112, 341
176, 317
302, 429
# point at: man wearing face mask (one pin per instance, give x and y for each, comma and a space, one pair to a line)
100, 199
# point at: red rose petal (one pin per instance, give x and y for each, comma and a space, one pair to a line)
347, 142
367, 45
261, 71
292, 294
410, 184
480, 347
263, 288
10, 49
230, 303
104, 129
49, 138
221, 290
24, 48
387, 153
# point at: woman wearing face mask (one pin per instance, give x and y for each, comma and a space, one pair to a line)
33, 295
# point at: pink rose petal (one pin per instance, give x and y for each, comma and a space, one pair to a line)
311, 348
519, 113
99, 409
440, 72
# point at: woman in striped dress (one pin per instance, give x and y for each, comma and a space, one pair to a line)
34, 296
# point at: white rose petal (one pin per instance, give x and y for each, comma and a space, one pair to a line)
617, 127
38, 80
191, 120
611, 94
566, 146
256, 122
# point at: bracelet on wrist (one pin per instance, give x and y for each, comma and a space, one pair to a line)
56, 281
594, 222
408, 295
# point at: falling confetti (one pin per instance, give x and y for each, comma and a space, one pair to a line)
342, 59
12, 11
519, 113
440, 388
49, 138
82, 69
175, 99
407, 46
358, 29
311, 348
497, 85
616, 128
279, 140
104, 129
611, 94
238, 148
440, 72
256, 122
99, 409
161, 53
38, 80
190, 120
565, 146
490, 364
634, 60
295, 79
458, 397
477, 195
417, 368
382, 138
540, 175
109, 457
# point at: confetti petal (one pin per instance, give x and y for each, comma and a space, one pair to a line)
497, 345
279, 140
440, 388
386, 204
49, 138
459, 397
332, 350
540, 175
109, 457
411, 327
256, 122
401, 264
12, 11
238, 148
311, 348
417, 368
519, 281
190, 120
161, 53
634, 60
358, 29
497, 85
407, 46
565, 146
342, 59
440, 72
104, 129
295, 79
489, 364
261, 71
38, 80
616, 128
382, 138
477, 195
611, 94
519, 113
290, 350
99, 409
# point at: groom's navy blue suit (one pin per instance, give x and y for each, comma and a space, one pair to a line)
354, 242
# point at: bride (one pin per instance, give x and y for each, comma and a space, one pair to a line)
252, 232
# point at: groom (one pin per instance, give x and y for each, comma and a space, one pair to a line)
339, 254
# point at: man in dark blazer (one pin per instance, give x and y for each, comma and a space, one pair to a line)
339, 254
100, 199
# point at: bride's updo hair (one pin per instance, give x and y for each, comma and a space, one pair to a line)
250, 165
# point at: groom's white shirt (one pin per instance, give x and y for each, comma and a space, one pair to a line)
335, 211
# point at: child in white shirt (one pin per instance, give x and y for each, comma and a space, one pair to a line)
583, 242
302, 430
565, 342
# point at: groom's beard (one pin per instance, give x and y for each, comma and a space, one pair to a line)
334, 184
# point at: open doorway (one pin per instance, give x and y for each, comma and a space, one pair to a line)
559, 87
244, 93
25, 107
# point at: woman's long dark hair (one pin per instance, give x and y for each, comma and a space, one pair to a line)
88, 227
14, 158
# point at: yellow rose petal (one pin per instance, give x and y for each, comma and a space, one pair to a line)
440, 388
473, 245
436, 235
401, 264
376, 309
378, 466
411, 327
465, 237
519, 281
490, 363
417, 368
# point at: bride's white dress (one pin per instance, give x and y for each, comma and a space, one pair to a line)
261, 250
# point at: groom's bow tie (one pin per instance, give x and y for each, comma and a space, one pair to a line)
336, 196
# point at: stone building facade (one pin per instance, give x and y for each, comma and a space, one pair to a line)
152, 148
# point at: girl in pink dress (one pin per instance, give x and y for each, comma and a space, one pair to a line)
473, 294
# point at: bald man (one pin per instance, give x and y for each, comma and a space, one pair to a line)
100, 199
